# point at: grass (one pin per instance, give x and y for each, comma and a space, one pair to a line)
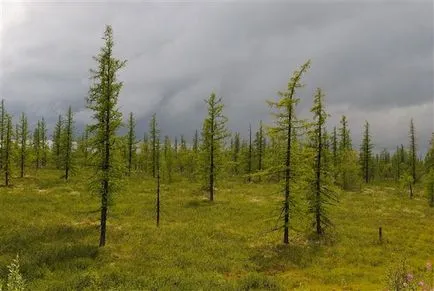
226, 245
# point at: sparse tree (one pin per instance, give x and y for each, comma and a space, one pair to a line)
213, 133
57, 140
412, 151
43, 142
154, 132
23, 135
131, 141
7, 162
102, 100
37, 145
285, 124
321, 192
66, 144
366, 153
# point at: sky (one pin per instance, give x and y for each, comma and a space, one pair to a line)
373, 59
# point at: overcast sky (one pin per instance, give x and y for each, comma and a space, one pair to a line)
373, 59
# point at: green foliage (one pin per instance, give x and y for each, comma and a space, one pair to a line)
285, 125
366, 154
15, 281
429, 187
168, 160
57, 142
401, 278
22, 138
321, 191
131, 140
412, 152
66, 150
406, 183
155, 135
7, 161
102, 100
213, 134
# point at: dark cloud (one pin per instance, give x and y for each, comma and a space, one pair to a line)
374, 60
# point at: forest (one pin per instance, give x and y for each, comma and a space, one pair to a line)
296, 204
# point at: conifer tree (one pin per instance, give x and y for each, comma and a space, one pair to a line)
195, 142
154, 132
236, 153
57, 140
213, 133
23, 136
335, 152
285, 124
66, 143
2, 131
37, 145
429, 180
131, 141
321, 192
168, 158
259, 146
412, 151
43, 142
366, 153
249, 170
347, 167
158, 204
83, 146
102, 100
7, 162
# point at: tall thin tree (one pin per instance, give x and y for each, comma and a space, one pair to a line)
102, 100
7, 163
285, 123
131, 141
412, 150
67, 138
213, 133
24, 134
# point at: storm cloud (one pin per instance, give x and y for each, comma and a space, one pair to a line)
374, 60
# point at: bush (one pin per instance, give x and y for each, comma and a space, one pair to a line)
15, 281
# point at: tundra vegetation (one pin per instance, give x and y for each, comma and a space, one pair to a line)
295, 204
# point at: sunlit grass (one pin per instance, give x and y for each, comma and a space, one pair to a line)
53, 225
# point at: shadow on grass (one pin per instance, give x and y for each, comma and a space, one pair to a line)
196, 203
273, 259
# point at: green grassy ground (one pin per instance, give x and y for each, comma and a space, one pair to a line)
224, 245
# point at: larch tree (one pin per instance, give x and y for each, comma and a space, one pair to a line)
57, 142
102, 100
158, 190
43, 142
213, 134
259, 147
7, 162
37, 145
131, 141
334, 144
154, 133
236, 147
348, 168
429, 180
285, 123
413, 151
23, 137
249, 169
168, 159
321, 192
66, 144
366, 153
2, 131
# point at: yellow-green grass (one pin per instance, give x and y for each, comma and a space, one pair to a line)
227, 244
